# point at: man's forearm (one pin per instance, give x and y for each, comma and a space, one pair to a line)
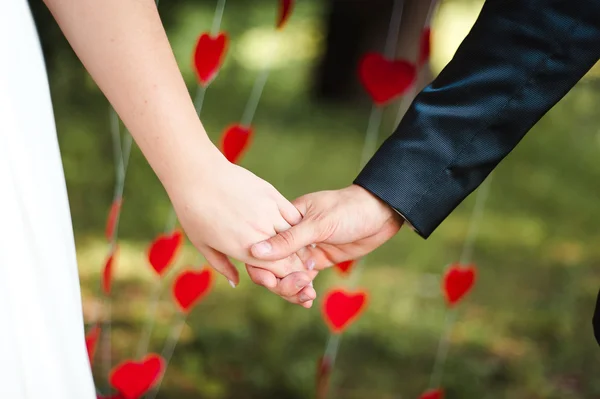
520, 58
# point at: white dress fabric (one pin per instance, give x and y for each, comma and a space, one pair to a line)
42, 342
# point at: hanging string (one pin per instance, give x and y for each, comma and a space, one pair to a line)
121, 151
369, 147
168, 350
410, 96
172, 217
466, 257
246, 120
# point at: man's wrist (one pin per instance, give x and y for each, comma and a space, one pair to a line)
392, 212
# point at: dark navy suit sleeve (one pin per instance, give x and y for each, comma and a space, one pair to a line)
519, 59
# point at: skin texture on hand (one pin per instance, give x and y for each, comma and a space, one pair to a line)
223, 208
344, 224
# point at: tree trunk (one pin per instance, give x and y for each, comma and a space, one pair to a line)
355, 27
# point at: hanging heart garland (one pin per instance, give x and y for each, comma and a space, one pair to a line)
111, 220
425, 47
134, 378
433, 394
458, 282
235, 141
344, 268
163, 250
323, 376
285, 11
209, 56
91, 341
385, 79
342, 308
107, 272
191, 286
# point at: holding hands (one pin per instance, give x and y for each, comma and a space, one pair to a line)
225, 209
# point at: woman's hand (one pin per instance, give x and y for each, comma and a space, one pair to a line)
225, 209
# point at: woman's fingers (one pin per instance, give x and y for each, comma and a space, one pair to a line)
296, 287
262, 277
221, 263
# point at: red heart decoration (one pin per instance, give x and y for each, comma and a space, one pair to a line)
111, 221
433, 394
163, 251
323, 375
425, 48
344, 267
285, 10
458, 281
191, 286
108, 271
91, 341
341, 308
208, 56
234, 141
133, 379
383, 79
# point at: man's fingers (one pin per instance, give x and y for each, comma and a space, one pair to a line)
294, 285
221, 263
292, 213
262, 277
287, 242
295, 288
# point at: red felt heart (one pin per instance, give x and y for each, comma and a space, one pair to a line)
191, 286
285, 10
344, 267
108, 272
163, 250
234, 141
458, 281
111, 221
91, 341
323, 376
133, 379
208, 56
383, 79
341, 308
433, 394
425, 48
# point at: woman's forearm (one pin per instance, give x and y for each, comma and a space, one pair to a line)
123, 45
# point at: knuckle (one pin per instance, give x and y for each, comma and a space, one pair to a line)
287, 238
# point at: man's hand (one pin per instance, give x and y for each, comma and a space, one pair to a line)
344, 224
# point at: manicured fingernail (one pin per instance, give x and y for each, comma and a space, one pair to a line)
301, 283
263, 248
231, 283
310, 264
303, 298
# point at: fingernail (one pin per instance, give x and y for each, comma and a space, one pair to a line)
231, 283
311, 284
303, 298
310, 264
301, 283
263, 248
313, 245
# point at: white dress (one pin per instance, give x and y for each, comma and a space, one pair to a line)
42, 343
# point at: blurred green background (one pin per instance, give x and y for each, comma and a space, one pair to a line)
524, 332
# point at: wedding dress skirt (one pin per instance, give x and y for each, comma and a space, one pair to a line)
42, 343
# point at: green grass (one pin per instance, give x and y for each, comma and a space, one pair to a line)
524, 332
